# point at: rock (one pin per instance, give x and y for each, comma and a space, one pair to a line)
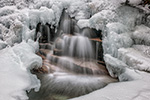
46, 46
2, 44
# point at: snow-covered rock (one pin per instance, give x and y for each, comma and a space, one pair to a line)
114, 41
141, 35
43, 15
116, 27
15, 75
143, 49
134, 59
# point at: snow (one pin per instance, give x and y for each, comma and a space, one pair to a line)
43, 15
129, 16
135, 2
115, 42
7, 10
114, 66
141, 35
83, 23
116, 27
99, 20
140, 61
143, 49
15, 74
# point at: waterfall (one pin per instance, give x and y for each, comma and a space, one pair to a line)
77, 46
65, 24
70, 61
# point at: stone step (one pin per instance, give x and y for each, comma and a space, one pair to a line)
45, 46
57, 52
44, 52
77, 65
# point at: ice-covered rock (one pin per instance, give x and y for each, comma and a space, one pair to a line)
134, 59
7, 10
15, 75
129, 16
43, 15
115, 67
114, 41
141, 35
143, 49
116, 27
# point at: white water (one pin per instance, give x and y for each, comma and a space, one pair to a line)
77, 46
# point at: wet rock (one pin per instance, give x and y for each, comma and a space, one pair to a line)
44, 52
57, 52
58, 43
2, 44
45, 46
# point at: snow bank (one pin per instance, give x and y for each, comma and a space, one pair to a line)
134, 58
143, 49
141, 35
15, 74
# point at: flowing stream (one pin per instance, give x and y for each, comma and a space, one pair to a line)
71, 64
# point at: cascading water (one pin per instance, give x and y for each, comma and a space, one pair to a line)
72, 65
65, 24
87, 32
77, 46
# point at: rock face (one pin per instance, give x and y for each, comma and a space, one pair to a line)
47, 33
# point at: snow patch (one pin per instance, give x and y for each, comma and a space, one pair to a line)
15, 74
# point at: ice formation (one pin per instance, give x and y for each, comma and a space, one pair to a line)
125, 31
15, 75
